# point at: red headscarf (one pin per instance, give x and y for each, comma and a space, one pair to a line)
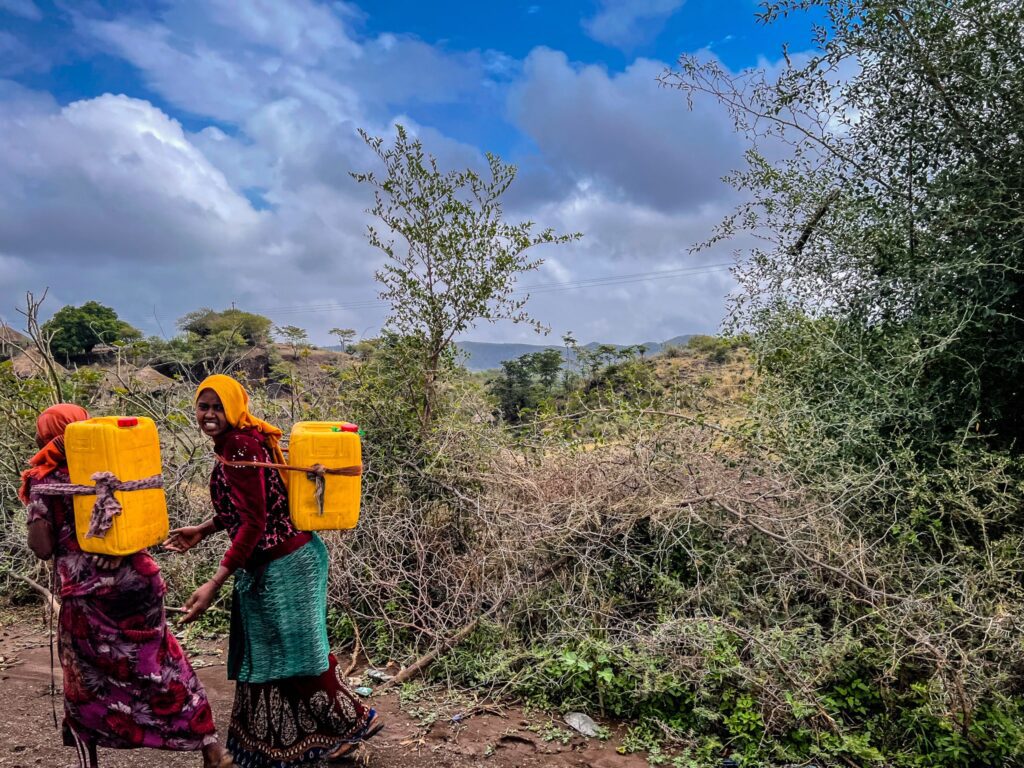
50, 428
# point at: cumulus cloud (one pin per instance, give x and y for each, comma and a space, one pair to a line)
623, 132
626, 23
110, 192
257, 206
111, 167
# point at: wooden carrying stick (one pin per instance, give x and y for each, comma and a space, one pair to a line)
52, 602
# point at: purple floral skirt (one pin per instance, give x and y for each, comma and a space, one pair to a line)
127, 682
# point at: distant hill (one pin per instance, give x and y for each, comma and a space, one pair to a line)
483, 356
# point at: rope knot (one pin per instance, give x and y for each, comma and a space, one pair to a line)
107, 507
316, 474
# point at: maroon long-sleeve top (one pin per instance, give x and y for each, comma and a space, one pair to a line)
251, 503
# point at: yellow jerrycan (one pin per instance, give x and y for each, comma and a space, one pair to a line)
333, 445
129, 448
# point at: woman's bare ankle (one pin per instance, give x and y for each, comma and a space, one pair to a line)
213, 754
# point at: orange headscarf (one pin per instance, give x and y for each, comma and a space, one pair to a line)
235, 400
50, 428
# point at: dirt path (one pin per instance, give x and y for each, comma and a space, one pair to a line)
420, 734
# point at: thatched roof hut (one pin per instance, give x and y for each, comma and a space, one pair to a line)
11, 342
153, 380
28, 365
127, 376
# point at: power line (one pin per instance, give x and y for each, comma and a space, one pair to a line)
595, 282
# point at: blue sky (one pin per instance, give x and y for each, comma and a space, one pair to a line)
730, 27
197, 152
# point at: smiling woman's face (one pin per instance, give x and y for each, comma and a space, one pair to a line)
210, 413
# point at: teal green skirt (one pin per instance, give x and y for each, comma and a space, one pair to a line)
279, 618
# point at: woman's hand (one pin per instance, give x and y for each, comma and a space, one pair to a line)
201, 599
41, 539
106, 562
183, 539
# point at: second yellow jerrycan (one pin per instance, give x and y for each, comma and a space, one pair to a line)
334, 445
129, 448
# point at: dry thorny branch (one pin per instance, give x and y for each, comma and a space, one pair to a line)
563, 540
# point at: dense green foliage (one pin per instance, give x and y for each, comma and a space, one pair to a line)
896, 217
524, 383
886, 314
206, 323
76, 330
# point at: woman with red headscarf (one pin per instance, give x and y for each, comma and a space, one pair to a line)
127, 683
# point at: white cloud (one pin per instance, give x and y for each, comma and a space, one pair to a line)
109, 198
246, 56
112, 192
623, 238
110, 168
24, 8
298, 28
626, 23
624, 132
199, 79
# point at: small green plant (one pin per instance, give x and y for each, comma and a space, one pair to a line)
745, 727
551, 731
411, 692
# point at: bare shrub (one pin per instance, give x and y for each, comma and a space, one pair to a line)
636, 561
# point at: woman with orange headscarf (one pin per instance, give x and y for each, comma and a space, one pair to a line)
291, 705
127, 683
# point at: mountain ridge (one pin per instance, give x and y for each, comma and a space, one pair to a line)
479, 356
486, 355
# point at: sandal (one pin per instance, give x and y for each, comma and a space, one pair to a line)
371, 728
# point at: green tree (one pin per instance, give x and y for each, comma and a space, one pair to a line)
76, 330
593, 360
896, 216
451, 258
298, 340
886, 301
294, 337
514, 389
205, 322
524, 383
345, 337
546, 365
